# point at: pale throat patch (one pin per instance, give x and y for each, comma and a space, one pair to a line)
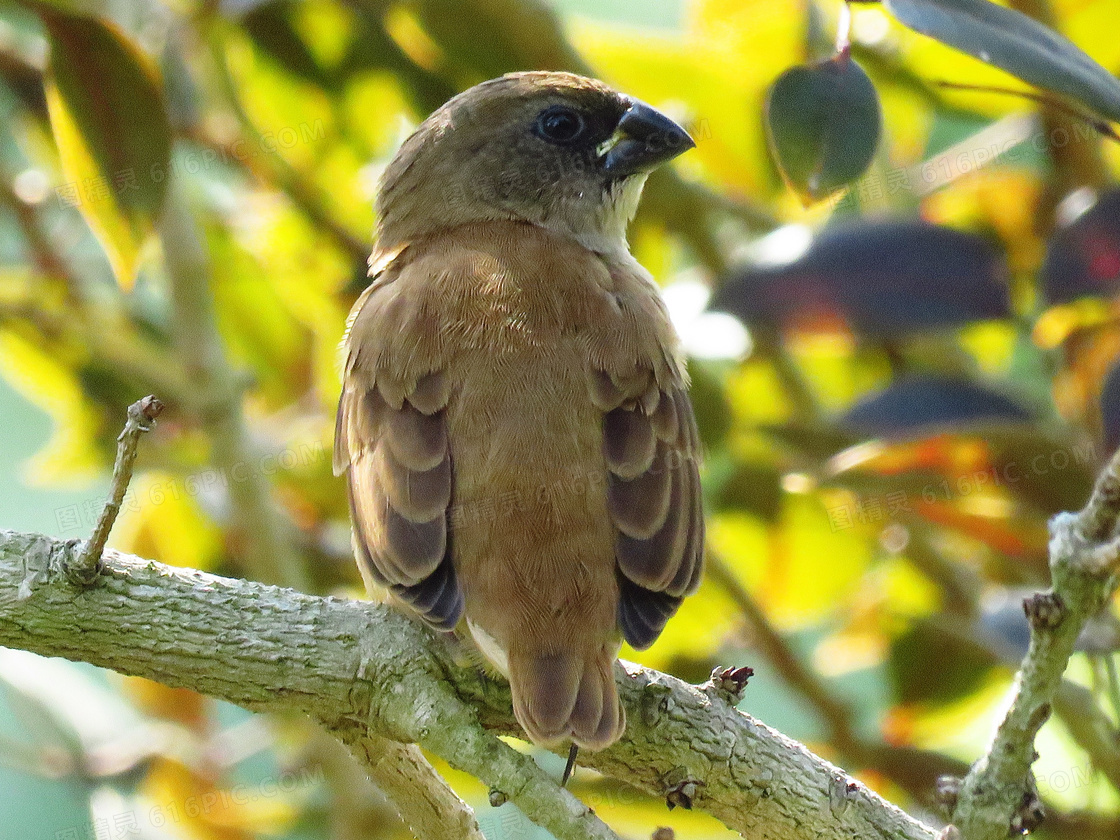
607, 233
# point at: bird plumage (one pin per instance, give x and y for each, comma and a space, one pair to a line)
514, 425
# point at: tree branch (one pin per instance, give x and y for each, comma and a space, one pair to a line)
998, 795
141, 417
367, 673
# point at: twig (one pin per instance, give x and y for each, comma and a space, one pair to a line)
424, 800
1099, 125
85, 568
997, 795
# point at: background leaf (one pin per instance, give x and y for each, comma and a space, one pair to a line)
823, 122
880, 279
108, 116
918, 402
1084, 257
1016, 43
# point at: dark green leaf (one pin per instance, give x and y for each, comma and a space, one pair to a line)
752, 488
823, 123
939, 660
1016, 43
269, 25
713, 415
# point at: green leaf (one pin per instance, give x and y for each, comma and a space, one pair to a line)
823, 122
107, 112
1016, 43
82, 8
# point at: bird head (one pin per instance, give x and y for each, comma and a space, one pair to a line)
553, 149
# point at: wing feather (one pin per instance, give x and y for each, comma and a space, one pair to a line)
391, 440
651, 448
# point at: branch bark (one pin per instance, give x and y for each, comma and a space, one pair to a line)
998, 795
368, 673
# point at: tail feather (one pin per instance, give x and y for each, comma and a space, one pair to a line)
565, 695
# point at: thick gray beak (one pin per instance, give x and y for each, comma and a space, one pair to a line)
646, 139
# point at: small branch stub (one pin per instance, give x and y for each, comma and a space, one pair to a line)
1030, 813
86, 566
947, 792
729, 683
497, 798
681, 789
1044, 610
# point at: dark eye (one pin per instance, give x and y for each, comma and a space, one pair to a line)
560, 124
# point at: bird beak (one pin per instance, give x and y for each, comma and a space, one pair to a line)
645, 139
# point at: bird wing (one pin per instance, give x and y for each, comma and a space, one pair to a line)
652, 448
391, 441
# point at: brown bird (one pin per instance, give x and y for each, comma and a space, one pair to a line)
519, 445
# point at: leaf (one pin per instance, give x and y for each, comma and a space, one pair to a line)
1016, 43
922, 402
1110, 409
753, 488
84, 8
823, 123
270, 27
1083, 259
881, 280
709, 403
938, 660
107, 112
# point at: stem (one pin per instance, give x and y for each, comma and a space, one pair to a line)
85, 568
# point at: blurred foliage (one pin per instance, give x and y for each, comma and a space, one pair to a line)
928, 369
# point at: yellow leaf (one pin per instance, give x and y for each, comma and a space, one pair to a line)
114, 141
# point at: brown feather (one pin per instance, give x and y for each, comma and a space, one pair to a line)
639, 506
417, 495
628, 443
418, 441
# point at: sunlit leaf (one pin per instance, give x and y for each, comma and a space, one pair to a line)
1016, 43
161, 518
47, 381
879, 279
823, 122
270, 27
107, 112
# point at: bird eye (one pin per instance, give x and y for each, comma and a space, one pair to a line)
559, 124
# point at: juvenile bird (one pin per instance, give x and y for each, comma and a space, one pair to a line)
519, 446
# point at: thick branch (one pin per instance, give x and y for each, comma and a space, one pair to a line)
367, 673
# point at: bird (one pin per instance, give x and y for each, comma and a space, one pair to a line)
520, 451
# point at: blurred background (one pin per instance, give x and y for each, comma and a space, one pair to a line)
896, 385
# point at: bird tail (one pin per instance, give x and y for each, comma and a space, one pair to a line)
566, 695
